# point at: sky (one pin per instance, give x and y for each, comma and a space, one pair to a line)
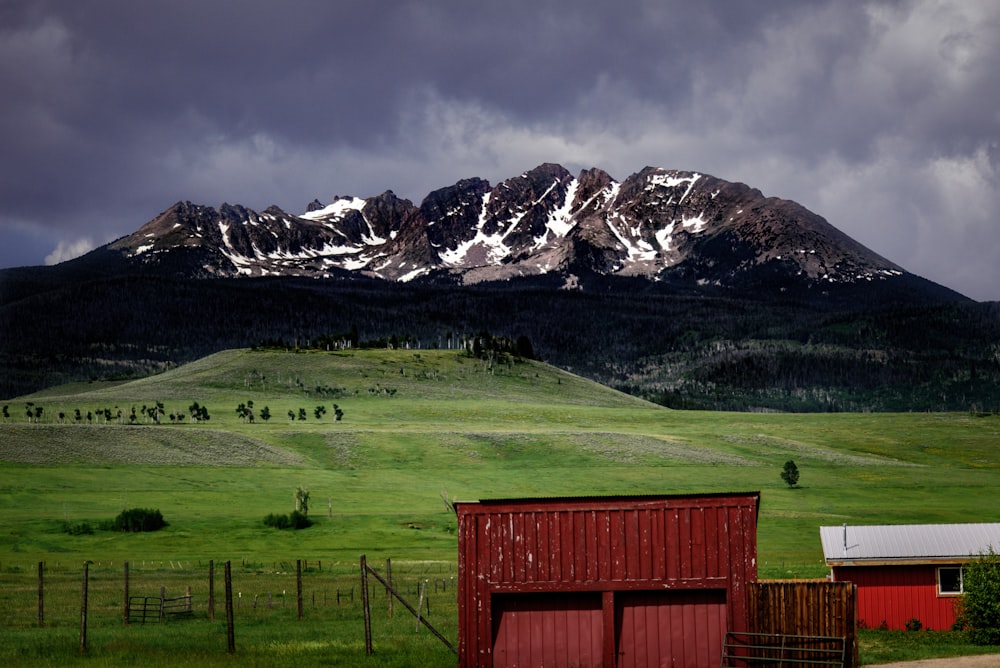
883, 117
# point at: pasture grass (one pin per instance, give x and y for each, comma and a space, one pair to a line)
878, 647
420, 428
267, 629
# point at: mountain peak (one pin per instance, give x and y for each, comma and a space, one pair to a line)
657, 224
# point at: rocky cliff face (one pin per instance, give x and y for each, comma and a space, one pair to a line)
656, 224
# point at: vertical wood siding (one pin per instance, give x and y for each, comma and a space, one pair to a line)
896, 594
548, 630
630, 552
806, 608
682, 628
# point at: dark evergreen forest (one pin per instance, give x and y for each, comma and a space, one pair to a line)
853, 350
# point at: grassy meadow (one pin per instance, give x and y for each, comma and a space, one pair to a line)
419, 428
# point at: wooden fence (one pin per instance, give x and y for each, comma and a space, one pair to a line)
819, 609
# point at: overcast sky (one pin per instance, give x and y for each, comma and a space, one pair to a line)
883, 117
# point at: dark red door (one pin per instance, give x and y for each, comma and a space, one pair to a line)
557, 629
677, 629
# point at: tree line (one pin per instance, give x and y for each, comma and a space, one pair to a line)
710, 349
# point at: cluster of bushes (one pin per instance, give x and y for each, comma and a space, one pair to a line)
78, 528
979, 611
144, 519
133, 520
138, 519
294, 520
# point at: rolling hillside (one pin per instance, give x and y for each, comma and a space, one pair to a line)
420, 428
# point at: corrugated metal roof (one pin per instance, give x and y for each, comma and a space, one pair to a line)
609, 497
894, 542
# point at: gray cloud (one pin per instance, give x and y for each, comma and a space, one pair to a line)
882, 117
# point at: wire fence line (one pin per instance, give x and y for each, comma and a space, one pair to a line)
48, 593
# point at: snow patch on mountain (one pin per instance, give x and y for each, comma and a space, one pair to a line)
337, 209
668, 180
483, 248
561, 220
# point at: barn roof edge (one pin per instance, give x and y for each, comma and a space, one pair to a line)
610, 497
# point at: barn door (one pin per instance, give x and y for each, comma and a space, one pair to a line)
551, 629
677, 628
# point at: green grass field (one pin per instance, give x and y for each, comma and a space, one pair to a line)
420, 427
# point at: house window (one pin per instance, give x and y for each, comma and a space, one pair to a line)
950, 581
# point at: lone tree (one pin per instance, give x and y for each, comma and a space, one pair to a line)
790, 474
302, 500
980, 604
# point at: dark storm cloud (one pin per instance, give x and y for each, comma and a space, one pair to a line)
882, 117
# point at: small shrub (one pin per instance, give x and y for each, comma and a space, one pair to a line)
980, 605
276, 521
137, 520
78, 528
294, 520
914, 624
299, 520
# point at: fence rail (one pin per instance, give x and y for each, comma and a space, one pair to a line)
775, 649
365, 571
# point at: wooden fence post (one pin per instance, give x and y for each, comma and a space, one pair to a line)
420, 602
83, 609
368, 612
409, 607
41, 594
163, 596
230, 632
298, 584
211, 589
125, 610
388, 577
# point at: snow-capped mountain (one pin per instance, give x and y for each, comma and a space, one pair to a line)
658, 224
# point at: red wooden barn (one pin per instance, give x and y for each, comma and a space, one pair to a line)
906, 571
605, 581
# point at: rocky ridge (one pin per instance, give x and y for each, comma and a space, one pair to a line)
657, 224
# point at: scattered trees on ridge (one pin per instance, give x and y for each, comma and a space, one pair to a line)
152, 414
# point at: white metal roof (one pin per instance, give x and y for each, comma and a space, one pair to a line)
895, 543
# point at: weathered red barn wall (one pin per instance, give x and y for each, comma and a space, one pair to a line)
548, 582
897, 594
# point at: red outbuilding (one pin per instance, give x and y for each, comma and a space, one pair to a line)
605, 581
906, 572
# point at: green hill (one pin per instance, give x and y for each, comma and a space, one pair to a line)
422, 427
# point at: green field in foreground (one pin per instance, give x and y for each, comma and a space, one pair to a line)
420, 427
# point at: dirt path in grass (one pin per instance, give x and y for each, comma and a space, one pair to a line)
981, 661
